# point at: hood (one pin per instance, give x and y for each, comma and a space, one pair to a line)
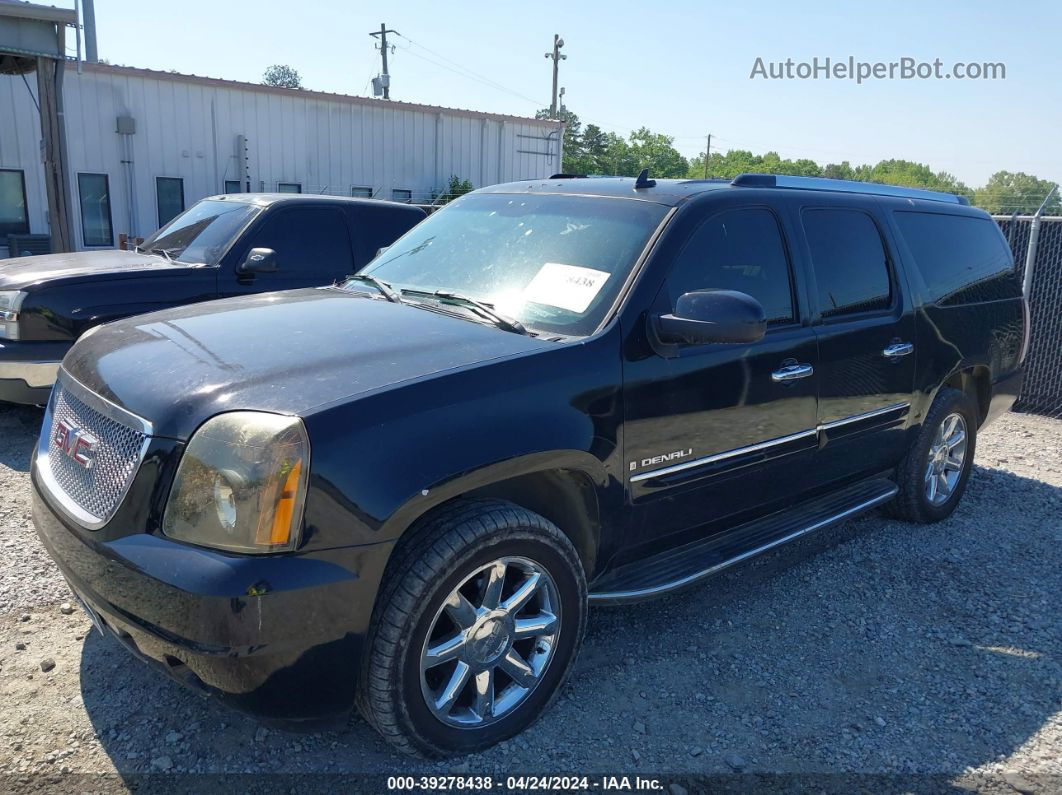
21, 272
287, 352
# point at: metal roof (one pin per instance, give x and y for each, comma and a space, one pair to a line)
303, 93
43, 13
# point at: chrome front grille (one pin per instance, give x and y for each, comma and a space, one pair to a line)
90, 493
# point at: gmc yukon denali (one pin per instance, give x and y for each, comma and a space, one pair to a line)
403, 491
222, 246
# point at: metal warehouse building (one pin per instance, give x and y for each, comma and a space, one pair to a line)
143, 145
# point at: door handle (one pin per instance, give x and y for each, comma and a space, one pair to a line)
897, 349
792, 372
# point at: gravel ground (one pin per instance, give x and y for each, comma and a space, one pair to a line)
876, 647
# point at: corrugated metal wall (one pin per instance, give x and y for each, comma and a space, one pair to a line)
187, 127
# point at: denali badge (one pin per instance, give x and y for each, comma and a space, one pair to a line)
77, 443
660, 459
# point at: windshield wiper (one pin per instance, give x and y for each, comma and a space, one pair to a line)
387, 290
482, 309
166, 252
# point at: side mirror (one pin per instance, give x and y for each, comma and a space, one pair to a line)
259, 260
706, 316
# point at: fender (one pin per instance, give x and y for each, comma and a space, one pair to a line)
551, 460
407, 449
991, 337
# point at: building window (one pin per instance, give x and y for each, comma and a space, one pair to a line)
402, 195
13, 217
95, 196
289, 187
233, 186
170, 194
361, 192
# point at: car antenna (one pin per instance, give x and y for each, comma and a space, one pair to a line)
643, 180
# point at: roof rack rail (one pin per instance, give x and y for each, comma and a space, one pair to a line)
843, 186
562, 175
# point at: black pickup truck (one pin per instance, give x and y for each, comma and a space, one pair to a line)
403, 492
222, 246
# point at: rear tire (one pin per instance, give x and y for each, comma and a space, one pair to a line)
932, 475
475, 630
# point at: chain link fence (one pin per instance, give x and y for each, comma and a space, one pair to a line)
1042, 389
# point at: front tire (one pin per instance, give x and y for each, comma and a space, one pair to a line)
932, 476
475, 630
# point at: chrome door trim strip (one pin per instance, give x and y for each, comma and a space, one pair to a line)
752, 448
642, 593
826, 426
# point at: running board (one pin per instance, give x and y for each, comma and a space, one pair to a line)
695, 561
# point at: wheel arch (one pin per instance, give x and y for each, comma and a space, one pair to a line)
976, 381
562, 486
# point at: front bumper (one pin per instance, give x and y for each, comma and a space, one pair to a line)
28, 370
278, 637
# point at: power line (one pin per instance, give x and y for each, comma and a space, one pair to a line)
464, 71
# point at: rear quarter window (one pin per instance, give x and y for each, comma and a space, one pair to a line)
962, 259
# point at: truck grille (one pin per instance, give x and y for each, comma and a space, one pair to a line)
96, 490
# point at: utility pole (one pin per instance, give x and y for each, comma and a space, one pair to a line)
558, 42
382, 33
707, 149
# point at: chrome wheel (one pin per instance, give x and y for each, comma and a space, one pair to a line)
490, 643
946, 457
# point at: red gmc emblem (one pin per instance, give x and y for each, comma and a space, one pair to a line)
77, 443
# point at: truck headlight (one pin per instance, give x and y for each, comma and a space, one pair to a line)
10, 303
241, 484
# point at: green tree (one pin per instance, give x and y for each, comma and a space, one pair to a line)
594, 149
841, 170
573, 162
1009, 192
456, 187
591, 150
282, 76
657, 153
910, 174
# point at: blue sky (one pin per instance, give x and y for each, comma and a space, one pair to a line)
681, 68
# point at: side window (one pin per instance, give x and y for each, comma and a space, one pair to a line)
737, 250
307, 240
851, 268
962, 259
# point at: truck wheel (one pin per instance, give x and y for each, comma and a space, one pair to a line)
933, 474
475, 630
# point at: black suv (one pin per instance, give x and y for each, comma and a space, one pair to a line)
222, 246
402, 492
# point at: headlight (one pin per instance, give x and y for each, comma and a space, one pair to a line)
241, 484
10, 303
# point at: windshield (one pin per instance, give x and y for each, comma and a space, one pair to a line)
201, 234
554, 262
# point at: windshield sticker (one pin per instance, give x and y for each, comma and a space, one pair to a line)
567, 286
